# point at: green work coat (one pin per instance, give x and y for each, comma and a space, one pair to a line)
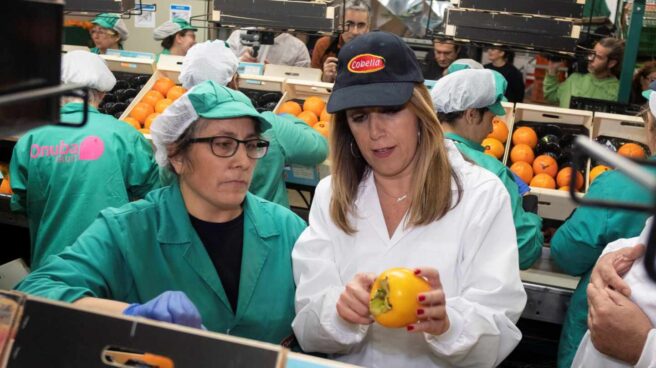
580, 85
528, 225
577, 244
136, 252
62, 177
291, 141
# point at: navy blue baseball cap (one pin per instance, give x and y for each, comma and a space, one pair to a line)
374, 69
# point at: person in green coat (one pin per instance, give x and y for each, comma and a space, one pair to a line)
577, 244
109, 32
202, 250
466, 101
62, 177
177, 36
604, 65
291, 140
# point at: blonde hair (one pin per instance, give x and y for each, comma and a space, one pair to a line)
431, 191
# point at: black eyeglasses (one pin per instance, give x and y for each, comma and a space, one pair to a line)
223, 146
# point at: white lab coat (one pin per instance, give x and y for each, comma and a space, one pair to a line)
286, 50
643, 290
474, 248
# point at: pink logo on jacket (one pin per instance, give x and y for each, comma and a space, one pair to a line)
90, 149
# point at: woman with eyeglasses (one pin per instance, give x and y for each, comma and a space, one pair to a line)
108, 32
202, 250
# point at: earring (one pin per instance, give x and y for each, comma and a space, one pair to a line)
353, 152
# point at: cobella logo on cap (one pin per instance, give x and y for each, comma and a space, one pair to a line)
366, 63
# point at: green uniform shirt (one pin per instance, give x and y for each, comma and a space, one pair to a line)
528, 225
577, 244
291, 141
62, 177
580, 85
136, 252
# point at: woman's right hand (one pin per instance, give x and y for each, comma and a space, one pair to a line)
353, 303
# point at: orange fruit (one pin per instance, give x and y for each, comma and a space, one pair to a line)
543, 181
141, 111
150, 100
522, 152
144, 131
149, 120
155, 94
322, 127
524, 170
545, 164
565, 188
162, 105
314, 104
499, 130
525, 135
290, 107
632, 150
175, 92
163, 85
309, 117
564, 176
5, 187
132, 121
325, 116
493, 147
598, 170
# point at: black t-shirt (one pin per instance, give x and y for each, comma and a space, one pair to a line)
224, 243
515, 90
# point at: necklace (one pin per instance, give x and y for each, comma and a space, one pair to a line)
398, 199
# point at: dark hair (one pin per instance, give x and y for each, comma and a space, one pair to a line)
636, 86
616, 52
508, 55
456, 47
167, 43
451, 117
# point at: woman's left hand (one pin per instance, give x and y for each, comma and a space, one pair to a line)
432, 316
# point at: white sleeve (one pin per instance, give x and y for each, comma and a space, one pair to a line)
302, 58
648, 356
235, 43
317, 326
482, 318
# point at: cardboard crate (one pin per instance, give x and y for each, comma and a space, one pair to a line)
170, 67
292, 72
552, 204
299, 90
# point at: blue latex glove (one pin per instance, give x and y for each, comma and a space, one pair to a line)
523, 187
170, 306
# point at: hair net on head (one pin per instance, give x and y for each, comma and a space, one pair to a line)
83, 67
462, 64
210, 60
206, 100
650, 95
469, 88
112, 21
171, 27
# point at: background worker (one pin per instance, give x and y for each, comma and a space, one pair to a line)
501, 61
641, 80
445, 52
108, 32
62, 177
177, 37
466, 101
291, 141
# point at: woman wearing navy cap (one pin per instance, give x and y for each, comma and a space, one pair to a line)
402, 196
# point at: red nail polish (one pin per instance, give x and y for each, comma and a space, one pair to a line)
422, 298
417, 271
409, 328
420, 311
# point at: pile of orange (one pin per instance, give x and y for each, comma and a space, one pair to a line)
494, 144
153, 103
312, 112
523, 158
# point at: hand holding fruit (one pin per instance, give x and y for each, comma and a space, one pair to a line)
432, 315
330, 69
353, 303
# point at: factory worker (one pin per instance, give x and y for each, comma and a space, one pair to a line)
466, 101
286, 50
108, 32
291, 140
62, 177
402, 196
577, 244
177, 37
225, 252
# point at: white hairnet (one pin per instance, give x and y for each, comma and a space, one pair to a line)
122, 29
88, 69
170, 125
461, 64
467, 88
167, 28
210, 60
652, 103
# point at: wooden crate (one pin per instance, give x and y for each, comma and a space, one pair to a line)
508, 119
